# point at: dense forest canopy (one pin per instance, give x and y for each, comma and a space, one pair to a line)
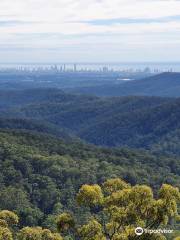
113, 211
54, 143
139, 122
45, 173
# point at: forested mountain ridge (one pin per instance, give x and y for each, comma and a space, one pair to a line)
43, 164
139, 128
45, 173
35, 126
63, 80
141, 122
76, 115
14, 98
165, 85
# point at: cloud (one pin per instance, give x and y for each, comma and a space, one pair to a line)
109, 25
6, 23
132, 20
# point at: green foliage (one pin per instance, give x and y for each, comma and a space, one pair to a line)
34, 126
37, 233
90, 195
3, 223
140, 122
114, 185
40, 175
45, 173
125, 207
91, 231
5, 234
65, 222
8, 220
9, 217
134, 121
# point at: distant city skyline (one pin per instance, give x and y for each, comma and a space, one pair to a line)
89, 31
96, 67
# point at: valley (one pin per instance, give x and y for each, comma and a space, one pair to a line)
52, 141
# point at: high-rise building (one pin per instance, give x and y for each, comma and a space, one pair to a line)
64, 68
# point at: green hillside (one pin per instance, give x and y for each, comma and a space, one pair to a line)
45, 173
138, 128
165, 85
14, 98
138, 122
35, 126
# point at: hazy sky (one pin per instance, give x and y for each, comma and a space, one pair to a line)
89, 30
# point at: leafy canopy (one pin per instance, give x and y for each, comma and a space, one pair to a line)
117, 209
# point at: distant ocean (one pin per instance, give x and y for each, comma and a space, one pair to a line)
160, 66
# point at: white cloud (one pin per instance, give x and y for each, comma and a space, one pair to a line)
65, 10
61, 24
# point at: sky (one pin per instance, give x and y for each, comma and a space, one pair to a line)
89, 31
